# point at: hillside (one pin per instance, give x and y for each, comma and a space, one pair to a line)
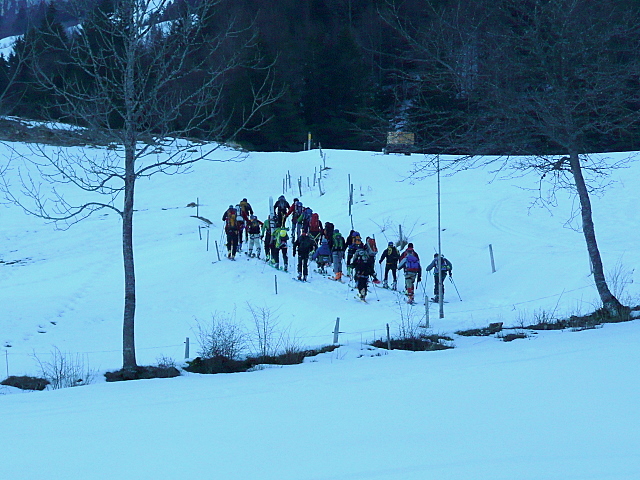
553, 405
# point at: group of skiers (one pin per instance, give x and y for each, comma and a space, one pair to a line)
324, 244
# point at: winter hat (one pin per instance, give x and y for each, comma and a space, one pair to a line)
410, 245
231, 206
335, 230
244, 199
391, 244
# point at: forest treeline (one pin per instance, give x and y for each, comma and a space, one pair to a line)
500, 76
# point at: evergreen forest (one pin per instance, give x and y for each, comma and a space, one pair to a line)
471, 77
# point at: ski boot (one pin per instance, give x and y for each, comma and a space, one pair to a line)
286, 267
385, 284
300, 276
304, 279
394, 286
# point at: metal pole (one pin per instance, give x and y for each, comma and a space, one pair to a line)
186, 348
336, 331
276, 283
217, 251
439, 265
207, 239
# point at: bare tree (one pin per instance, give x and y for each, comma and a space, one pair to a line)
141, 87
550, 80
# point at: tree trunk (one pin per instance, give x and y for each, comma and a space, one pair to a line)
128, 331
609, 301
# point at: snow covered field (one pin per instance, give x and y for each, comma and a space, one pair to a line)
556, 405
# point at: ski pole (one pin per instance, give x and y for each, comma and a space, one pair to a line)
454, 285
375, 290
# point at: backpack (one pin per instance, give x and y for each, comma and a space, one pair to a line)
338, 241
372, 244
445, 265
231, 220
281, 205
412, 264
254, 227
281, 240
361, 257
307, 215
314, 223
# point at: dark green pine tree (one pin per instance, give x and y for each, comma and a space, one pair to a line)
41, 51
337, 90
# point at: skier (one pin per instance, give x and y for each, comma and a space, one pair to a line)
360, 262
353, 240
245, 210
303, 246
315, 228
279, 244
328, 232
241, 229
297, 218
438, 277
372, 250
268, 228
391, 255
230, 219
254, 230
337, 253
280, 209
322, 256
412, 271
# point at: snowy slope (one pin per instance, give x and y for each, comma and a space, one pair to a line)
555, 405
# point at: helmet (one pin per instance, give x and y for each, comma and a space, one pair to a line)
410, 245
244, 199
231, 206
356, 234
253, 217
283, 233
391, 244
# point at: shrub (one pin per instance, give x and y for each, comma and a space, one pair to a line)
26, 383
420, 343
140, 373
223, 337
65, 370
